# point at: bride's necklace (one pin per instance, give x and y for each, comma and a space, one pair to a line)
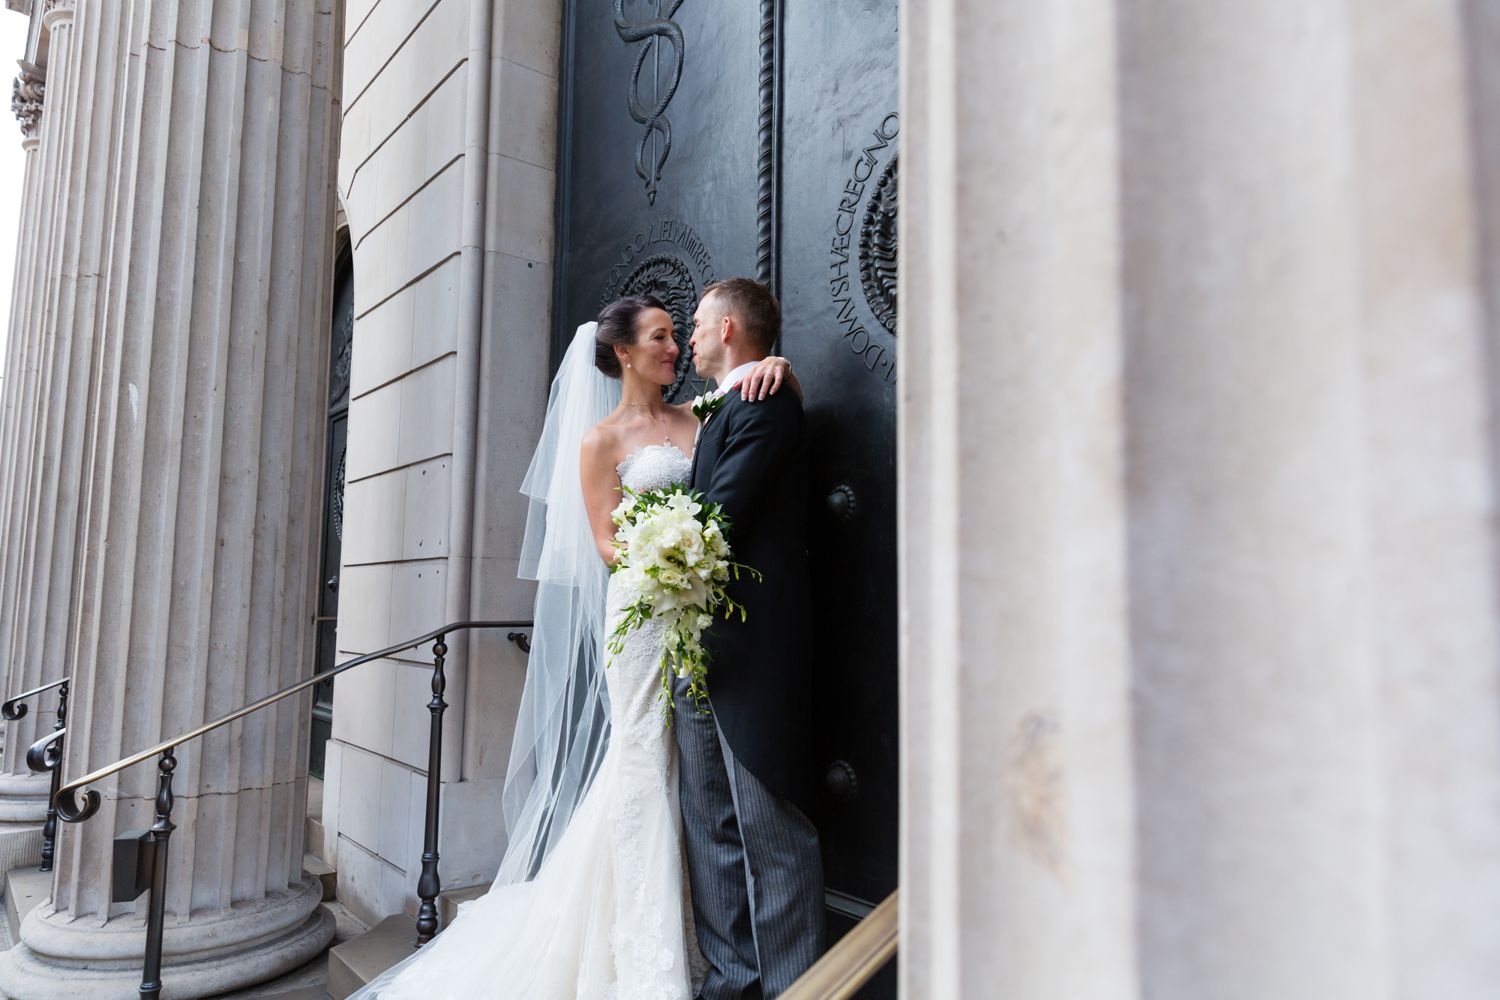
659, 417
666, 434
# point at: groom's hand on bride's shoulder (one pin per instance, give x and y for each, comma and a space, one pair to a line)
766, 378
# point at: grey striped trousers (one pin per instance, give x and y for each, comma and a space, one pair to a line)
755, 866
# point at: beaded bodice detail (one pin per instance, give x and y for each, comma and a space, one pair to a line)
653, 466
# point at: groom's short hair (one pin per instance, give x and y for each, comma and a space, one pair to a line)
753, 306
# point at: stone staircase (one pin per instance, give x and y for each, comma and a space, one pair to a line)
358, 954
26, 887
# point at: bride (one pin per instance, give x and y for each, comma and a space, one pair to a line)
591, 899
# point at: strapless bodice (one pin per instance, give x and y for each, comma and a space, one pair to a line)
653, 466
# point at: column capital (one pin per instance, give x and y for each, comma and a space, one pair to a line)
26, 99
54, 11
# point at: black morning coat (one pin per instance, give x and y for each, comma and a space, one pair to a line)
751, 457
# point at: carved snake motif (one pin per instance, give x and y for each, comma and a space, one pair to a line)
656, 30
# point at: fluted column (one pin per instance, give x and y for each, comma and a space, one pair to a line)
28, 92
1427, 203
44, 610
20, 832
1200, 484
200, 513
1258, 728
29, 518
1017, 827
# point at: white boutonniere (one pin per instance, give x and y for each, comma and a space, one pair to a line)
707, 405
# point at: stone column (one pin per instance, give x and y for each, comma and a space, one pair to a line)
29, 519
1017, 827
200, 513
1198, 446
27, 97
1257, 727
27, 93
1429, 203
20, 830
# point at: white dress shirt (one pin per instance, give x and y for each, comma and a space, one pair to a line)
735, 377
731, 380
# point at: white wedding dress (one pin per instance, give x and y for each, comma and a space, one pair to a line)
608, 915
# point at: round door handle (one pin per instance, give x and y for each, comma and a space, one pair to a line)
842, 503
333, 583
842, 781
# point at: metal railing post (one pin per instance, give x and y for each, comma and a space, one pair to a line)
42, 756
429, 885
161, 830
49, 828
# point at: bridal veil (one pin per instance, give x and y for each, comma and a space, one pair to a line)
563, 723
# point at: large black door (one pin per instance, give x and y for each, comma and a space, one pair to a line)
702, 140
340, 355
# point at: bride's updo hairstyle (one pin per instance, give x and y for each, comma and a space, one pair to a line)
617, 329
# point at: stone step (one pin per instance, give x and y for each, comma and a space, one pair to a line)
448, 903
315, 797
315, 840
325, 874
300, 993
310, 982
355, 962
315, 834
359, 960
25, 888
21, 845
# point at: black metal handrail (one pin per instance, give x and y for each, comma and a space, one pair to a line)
45, 755
65, 800
15, 708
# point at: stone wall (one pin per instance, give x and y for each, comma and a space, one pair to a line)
446, 176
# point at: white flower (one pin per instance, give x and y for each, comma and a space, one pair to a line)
673, 565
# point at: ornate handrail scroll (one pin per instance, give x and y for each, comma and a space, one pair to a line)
46, 753
15, 709
856, 958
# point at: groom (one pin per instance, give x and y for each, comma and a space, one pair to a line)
753, 856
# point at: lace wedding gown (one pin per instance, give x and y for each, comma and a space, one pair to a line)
608, 916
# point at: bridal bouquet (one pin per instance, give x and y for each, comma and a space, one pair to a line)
674, 564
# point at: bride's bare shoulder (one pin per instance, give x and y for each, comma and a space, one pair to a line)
601, 446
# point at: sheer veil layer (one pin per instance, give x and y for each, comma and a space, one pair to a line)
562, 726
